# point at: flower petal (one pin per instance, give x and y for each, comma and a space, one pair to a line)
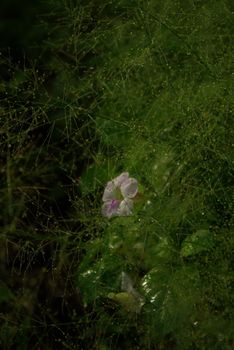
120, 179
129, 188
125, 207
110, 208
109, 192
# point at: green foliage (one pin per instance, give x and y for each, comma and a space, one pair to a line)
96, 175
128, 301
200, 241
90, 89
173, 296
5, 294
98, 278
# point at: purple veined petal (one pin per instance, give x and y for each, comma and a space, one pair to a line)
129, 188
120, 179
109, 192
110, 208
125, 207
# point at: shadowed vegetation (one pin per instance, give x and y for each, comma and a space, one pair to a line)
90, 89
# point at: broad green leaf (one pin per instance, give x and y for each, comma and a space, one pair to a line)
201, 240
172, 296
183, 292
154, 285
99, 277
89, 285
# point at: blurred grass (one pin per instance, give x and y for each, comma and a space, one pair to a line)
89, 90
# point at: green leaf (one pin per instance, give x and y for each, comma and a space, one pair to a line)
200, 241
97, 278
5, 294
94, 176
183, 292
154, 285
162, 252
171, 296
89, 285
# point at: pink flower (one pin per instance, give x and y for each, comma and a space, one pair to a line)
118, 196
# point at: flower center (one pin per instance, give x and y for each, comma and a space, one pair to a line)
118, 194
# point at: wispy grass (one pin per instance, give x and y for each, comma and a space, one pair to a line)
94, 90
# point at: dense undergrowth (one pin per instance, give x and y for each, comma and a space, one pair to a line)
90, 89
